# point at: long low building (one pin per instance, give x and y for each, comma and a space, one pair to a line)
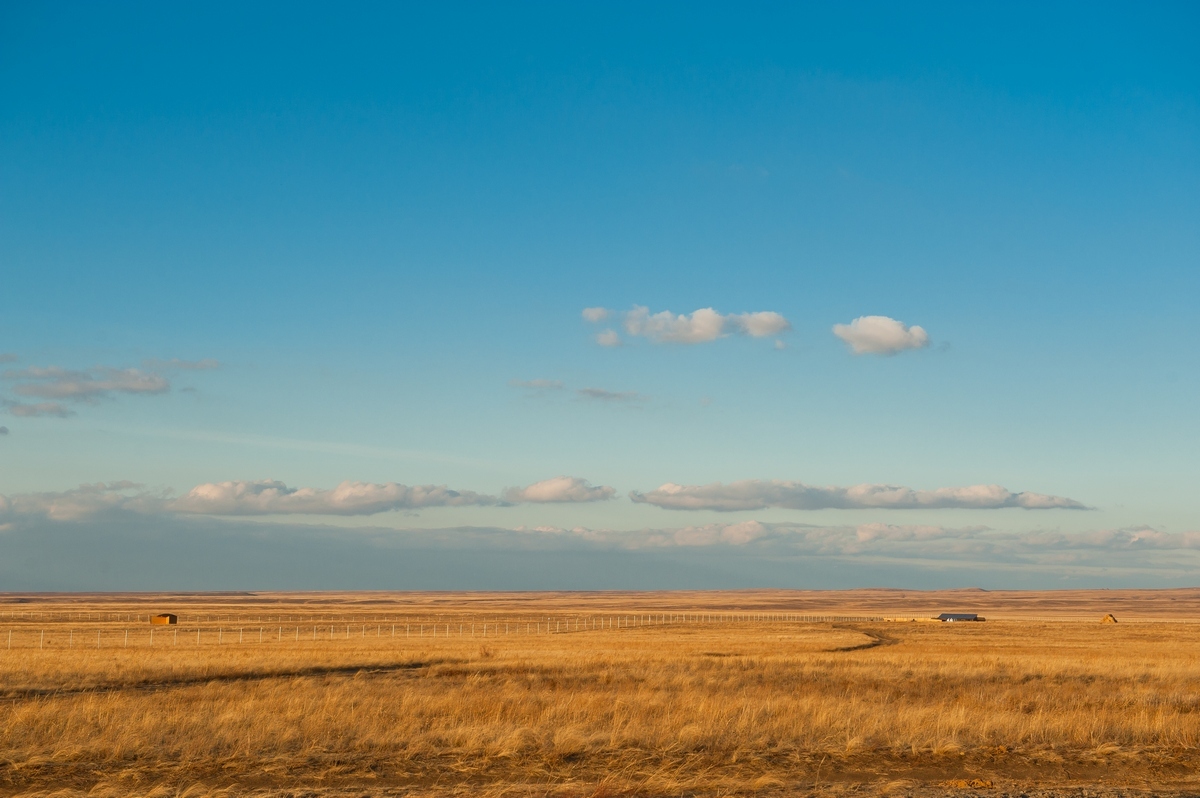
950, 617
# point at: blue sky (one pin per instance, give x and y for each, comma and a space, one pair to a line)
276, 249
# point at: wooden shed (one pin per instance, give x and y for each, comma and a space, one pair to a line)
164, 619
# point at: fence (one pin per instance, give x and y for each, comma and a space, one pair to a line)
109, 635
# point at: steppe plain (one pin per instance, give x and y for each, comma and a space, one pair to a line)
773, 693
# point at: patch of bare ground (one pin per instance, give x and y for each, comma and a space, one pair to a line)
353, 697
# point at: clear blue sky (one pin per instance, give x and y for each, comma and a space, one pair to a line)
317, 244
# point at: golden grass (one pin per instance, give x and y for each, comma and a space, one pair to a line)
703, 707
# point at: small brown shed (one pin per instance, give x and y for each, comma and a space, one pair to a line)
165, 619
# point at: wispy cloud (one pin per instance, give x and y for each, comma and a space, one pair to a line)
89, 386
753, 494
880, 335
543, 387
601, 395
57, 383
699, 326
537, 385
8, 357
54, 409
918, 543
560, 489
176, 364
3, 430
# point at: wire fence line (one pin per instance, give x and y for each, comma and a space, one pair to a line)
105, 635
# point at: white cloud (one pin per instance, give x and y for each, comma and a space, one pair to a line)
608, 338
38, 409
271, 497
763, 324
537, 385
560, 489
880, 335
602, 395
699, 326
759, 494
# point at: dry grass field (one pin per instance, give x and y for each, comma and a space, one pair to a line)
706, 694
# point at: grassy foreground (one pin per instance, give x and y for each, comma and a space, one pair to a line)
707, 705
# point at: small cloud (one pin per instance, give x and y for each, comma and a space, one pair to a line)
880, 335
3, 430
8, 357
175, 364
780, 344
699, 326
537, 385
560, 489
611, 396
763, 324
595, 314
757, 494
39, 409
608, 338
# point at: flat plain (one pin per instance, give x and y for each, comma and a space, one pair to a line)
601, 694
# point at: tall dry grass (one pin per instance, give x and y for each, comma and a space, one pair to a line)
703, 708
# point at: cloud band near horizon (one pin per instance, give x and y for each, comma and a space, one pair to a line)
753, 494
272, 497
